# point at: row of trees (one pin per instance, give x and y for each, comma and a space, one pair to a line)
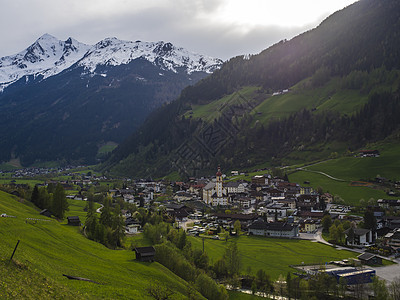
52, 198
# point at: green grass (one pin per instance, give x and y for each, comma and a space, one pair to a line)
47, 250
106, 148
272, 254
212, 111
76, 208
233, 295
350, 194
354, 169
327, 97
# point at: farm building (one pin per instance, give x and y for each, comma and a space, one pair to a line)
74, 221
145, 253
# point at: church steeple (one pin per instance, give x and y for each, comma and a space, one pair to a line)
218, 184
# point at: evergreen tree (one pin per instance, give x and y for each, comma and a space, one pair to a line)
118, 227
182, 240
35, 196
45, 199
369, 220
105, 216
91, 221
60, 203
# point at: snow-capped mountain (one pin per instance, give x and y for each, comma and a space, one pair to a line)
64, 100
46, 57
49, 56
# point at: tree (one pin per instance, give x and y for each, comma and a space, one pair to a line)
91, 221
326, 222
45, 199
237, 227
289, 285
209, 289
394, 288
333, 234
340, 233
350, 235
380, 289
220, 268
105, 216
159, 291
118, 227
60, 203
200, 259
182, 240
232, 257
35, 196
369, 220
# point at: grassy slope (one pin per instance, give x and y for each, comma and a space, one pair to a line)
50, 249
272, 254
354, 169
211, 111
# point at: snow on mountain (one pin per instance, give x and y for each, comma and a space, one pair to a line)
49, 56
46, 57
112, 51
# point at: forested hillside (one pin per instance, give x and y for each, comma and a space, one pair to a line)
330, 90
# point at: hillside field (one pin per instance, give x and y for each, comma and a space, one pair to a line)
49, 249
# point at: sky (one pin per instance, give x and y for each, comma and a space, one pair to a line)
218, 28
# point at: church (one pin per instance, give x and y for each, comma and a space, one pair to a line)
215, 193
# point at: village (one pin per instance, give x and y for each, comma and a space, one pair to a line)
221, 207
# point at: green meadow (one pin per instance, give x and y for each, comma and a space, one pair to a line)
273, 255
300, 96
352, 169
48, 249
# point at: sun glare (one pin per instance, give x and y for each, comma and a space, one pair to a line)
283, 13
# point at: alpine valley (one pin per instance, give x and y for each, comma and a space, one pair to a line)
69, 102
326, 93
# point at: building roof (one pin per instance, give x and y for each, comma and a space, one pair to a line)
358, 231
366, 256
232, 184
145, 251
275, 226
242, 217
209, 186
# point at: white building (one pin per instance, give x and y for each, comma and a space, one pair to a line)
215, 193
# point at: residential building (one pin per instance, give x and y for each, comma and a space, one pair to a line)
275, 229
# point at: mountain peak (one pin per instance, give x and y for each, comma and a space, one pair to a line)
48, 56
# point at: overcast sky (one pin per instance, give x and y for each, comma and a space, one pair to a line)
219, 28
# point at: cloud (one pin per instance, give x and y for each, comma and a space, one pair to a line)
197, 25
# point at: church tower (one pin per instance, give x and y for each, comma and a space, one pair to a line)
218, 184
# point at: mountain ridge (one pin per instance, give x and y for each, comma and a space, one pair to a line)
48, 56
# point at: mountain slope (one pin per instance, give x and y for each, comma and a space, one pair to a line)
48, 249
64, 100
296, 99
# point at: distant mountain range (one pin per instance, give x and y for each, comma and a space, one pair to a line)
327, 92
64, 100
